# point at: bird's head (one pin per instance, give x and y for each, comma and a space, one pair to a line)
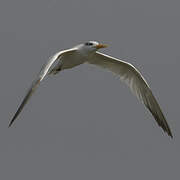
90, 47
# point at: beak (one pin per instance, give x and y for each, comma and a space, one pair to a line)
99, 46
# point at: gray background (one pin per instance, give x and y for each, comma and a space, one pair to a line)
84, 124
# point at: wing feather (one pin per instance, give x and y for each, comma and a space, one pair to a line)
44, 71
138, 85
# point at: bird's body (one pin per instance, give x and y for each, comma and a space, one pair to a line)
87, 53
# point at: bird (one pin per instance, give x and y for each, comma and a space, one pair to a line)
88, 53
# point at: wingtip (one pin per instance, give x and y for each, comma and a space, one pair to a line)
10, 124
168, 130
13, 119
170, 134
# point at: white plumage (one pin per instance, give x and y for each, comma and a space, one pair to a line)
87, 53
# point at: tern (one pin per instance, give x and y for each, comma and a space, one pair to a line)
88, 53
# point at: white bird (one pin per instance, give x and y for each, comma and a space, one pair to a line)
87, 53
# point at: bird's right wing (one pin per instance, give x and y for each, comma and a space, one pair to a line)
44, 71
132, 77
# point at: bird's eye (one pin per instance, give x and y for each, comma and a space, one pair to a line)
88, 44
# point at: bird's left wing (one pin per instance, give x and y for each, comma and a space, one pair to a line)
132, 77
44, 71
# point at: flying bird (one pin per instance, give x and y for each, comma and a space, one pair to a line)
88, 53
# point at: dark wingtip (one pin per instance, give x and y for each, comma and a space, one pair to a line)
28, 95
9, 125
11, 122
167, 129
170, 134
16, 114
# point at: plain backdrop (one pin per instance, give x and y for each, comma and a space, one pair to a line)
84, 124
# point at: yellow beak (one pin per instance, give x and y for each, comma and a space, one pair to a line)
101, 46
